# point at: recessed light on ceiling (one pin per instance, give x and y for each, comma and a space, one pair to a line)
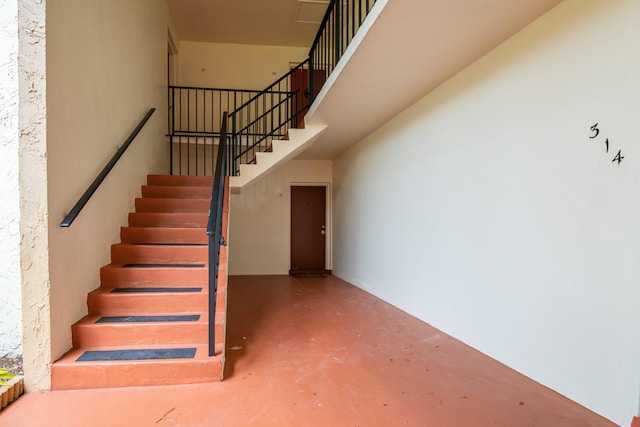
311, 11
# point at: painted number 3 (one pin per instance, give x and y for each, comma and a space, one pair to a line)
595, 132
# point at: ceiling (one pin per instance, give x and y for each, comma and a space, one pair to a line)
265, 22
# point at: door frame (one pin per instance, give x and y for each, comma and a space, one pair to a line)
328, 251
172, 59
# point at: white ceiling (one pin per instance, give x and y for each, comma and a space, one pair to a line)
266, 22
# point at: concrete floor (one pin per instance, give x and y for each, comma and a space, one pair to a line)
320, 352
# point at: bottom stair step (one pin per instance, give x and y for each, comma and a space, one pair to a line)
175, 365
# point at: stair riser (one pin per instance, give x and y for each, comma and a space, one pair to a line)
122, 304
146, 304
141, 334
178, 180
111, 276
83, 375
141, 254
172, 205
157, 219
176, 192
164, 235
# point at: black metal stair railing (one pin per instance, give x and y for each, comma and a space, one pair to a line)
340, 24
214, 228
258, 117
268, 115
194, 124
282, 105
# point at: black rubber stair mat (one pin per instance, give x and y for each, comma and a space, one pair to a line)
163, 265
153, 290
138, 354
143, 319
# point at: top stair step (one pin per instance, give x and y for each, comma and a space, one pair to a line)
180, 180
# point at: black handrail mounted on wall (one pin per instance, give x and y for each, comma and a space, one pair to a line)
71, 216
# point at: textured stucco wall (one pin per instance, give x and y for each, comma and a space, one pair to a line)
88, 71
10, 321
33, 192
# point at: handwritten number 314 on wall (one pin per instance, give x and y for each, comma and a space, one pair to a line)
596, 131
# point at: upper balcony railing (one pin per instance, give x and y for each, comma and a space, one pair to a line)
341, 22
194, 125
284, 104
258, 117
268, 115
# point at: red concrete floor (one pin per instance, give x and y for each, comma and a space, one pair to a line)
320, 352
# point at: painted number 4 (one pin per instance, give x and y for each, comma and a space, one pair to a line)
618, 157
596, 131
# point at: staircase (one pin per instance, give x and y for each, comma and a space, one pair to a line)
279, 151
147, 323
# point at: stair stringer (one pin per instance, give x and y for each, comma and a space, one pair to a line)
282, 150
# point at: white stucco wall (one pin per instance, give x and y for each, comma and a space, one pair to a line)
244, 66
486, 210
10, 294
106, 66
260, 218
34, 251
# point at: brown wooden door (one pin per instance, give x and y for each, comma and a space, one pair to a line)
299, 84
308, 228
300, 101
